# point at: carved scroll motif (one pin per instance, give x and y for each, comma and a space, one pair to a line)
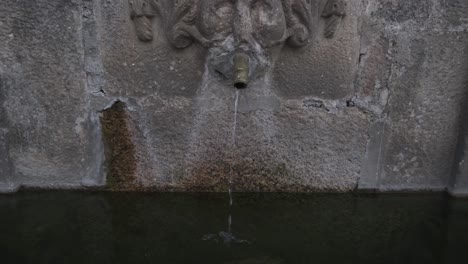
298, 18
180, 23
141, 12
334, 12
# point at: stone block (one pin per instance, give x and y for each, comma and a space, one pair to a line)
44, 93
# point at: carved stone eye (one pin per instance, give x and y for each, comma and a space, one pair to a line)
269, 25
264, 5
216, 17
223, 9
262, 10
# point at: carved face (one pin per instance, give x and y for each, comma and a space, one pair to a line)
262, 21
268, 21
216, 18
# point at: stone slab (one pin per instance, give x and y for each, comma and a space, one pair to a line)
44, 89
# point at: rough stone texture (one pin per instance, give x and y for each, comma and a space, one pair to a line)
326, 68
183, 117
413, 79
47, 137
365, 96
6, 176
459, 182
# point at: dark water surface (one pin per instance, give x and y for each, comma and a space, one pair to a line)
76, 227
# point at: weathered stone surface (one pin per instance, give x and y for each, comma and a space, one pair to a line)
458, 184
182, 115
413, 77
340, 94
43, 87
6, 175
326, 67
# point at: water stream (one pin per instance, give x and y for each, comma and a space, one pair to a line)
233, 147
227, 237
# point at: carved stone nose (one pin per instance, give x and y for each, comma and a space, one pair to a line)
243, 25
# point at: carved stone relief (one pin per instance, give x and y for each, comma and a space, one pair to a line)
227, 28
142, 12
210, 21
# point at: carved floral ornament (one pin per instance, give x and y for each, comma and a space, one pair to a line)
269, 22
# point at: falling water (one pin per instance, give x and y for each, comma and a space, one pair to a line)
227, 237
231, 170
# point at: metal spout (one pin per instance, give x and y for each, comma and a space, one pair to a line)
241, 70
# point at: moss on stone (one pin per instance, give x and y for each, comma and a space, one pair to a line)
120, 150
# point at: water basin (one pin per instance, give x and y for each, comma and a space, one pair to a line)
78, 227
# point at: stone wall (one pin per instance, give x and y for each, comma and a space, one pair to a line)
414, 69
139, 94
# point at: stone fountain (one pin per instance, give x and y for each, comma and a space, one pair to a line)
139, 95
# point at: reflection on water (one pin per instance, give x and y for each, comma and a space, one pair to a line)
226, 238
75, 227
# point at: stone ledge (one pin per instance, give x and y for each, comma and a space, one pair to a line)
9, 188
461, 193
